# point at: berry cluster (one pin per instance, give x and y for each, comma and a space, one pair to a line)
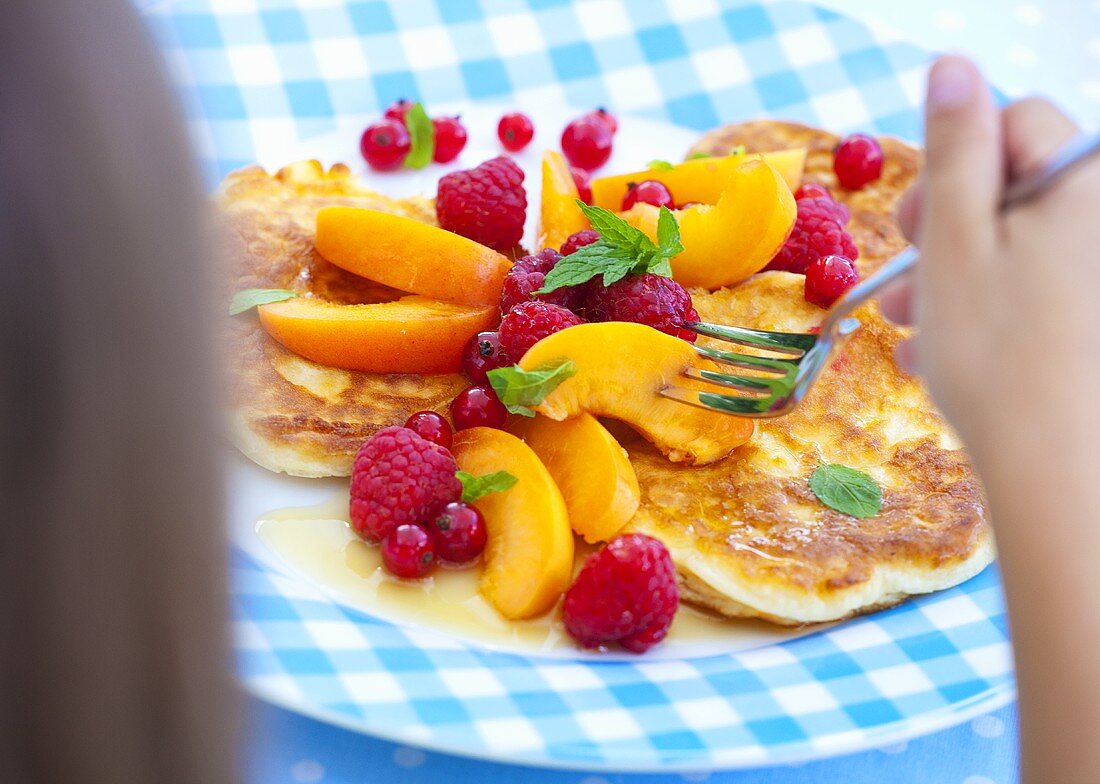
386, 143
405, 496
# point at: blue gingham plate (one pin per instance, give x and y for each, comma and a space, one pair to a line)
281, 79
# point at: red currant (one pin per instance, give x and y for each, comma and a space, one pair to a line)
408, 551
607, 118
477, 407
385, 144
811, 190
432, 426
481, 354
858, 161
450, 138
398, 109
459, 533
515, 131
586, 142
827, 278
647, 192
583, 183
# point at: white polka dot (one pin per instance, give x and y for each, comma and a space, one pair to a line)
895, 748
697, 776
1023, 56
1029, 14
307, 771
950, 21
978, 780
404, 757
1091, 90
594, 780
988, 727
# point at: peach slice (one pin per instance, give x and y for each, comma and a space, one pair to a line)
529, 557
559, 215
410, 255
621, 370
592, 471
735, 238
700, 179
409, 335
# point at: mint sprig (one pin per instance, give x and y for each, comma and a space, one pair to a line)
621, 250
251, 298
847, 490
474, 487
521, 390
421, 137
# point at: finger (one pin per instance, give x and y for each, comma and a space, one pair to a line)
907, 356
908, 212
896, 301
963, 169
1033, 129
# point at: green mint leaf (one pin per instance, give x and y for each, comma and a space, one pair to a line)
421, 137
668, 234
251, 298
846, 490
658, 165
697, 155
521, 390
474, 487
614, 230
601, 257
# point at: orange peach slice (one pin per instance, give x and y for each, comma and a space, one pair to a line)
700, 179
412, 256
621, 370
410, 335
559, 215
529, 557
592, 471
735, 238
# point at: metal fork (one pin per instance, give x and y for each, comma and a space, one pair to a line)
780, 379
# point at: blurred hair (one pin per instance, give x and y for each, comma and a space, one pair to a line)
113, 652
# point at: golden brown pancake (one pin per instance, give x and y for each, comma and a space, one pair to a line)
292, 415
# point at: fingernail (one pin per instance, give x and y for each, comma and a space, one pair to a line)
951, 83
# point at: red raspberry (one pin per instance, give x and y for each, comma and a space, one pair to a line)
626, 592
817, 232
837, 209
651, 299
829, 277
529, 322
527, 276
858, 161
399, 477
579, 240
486, 204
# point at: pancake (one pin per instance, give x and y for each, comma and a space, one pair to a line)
747, 535
289, 414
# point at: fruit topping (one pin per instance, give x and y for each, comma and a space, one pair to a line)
559, 215
385, 144
817, 232
399, 478
625, 593
529, 322
481, 354
432, 426
858, 161
829, 277
408, 551
647, 192
477, 406
515, 131
583, 183
811, 190
398, 109
607, 118
650, 299
458, 532
579, 240
528, 275
450, 138
486, 204
586, 142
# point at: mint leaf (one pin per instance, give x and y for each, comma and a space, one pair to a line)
668, 233
658, 165
521, 390
251, 298
421, 137
846, 490
600, 258
697, 155
614, 229
474, 487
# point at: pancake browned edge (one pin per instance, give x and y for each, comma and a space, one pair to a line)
289, 414
747, 535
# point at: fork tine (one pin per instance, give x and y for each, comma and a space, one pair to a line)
730, 404
784, 367
743, 383
791, 343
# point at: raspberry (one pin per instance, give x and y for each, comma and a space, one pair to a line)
817, 232
829, 277
487, 204
626, 592
579, 240
399, 477
529, 322
857, 161
823, 204
527, 276
651, 299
